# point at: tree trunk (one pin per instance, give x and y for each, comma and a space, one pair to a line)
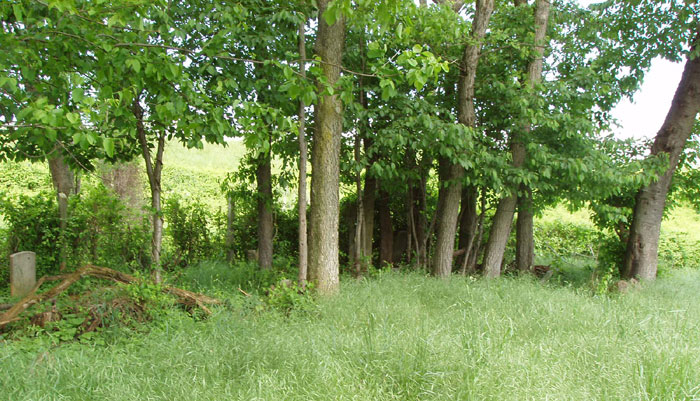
303, 157
524, 235
641, 257
63, 182
467, 223
451, 180
323, 249
359, 243
154, 168
503, 220
473, 257
263, 176
386, 230
447, 214
368, 217
230, 235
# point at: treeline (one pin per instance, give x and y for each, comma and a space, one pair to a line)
447, 119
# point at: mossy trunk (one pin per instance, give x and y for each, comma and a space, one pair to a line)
325, 160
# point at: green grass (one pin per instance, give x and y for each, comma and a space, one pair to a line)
399, 337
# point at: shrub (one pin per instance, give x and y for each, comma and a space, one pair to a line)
193, 230
32, 225
566, 239
97, 231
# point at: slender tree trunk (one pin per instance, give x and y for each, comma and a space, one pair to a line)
303, 158
452, 173
503, 220
63, 182
386, 230
421, 222
323, 249
524, 233
154, 168
368, 203
359, 243
230, 234
641, 257
474, 255
468, 222
263, 175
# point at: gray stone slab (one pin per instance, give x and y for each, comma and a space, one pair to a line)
22, 273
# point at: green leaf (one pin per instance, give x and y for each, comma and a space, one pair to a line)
108, 145
134, 64
18, 11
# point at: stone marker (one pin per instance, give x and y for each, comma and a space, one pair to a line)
22, 273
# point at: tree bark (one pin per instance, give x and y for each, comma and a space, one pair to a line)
524, 235
230, 219
467, 223
641, 257
359, 243
386, 230
323, 249
263, 176
452, 173
63, 182
154, 169
503, 220
368, 203
303, 158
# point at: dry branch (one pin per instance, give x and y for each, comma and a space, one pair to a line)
184, 297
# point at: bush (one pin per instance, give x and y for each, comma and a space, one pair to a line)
678, 250
32, 225
97, 231
102, 232
566, 239
196, 233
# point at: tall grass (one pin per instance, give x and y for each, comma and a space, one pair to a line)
397, 337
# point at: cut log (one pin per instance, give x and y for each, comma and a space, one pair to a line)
187, 298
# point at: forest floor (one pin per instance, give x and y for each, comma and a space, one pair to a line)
394, 336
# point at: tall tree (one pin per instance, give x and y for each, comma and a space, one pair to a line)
303, 159
641, 257
501, 225
451, 173
325, 157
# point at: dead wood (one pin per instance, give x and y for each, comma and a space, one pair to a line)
184, 297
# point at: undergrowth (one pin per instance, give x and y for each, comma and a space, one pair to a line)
396, 336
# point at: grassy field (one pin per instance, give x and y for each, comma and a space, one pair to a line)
396, 337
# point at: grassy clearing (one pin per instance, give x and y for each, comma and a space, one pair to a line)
397, 337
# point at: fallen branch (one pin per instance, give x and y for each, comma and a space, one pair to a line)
185, 297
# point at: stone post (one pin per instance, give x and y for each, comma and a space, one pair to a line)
22, 273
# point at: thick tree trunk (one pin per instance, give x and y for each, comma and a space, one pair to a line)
303, 158
498, 236
447, 214
524, 235
154, 169
386, 230
263, 176
452, 174
641, 257
63, 182
323, 249
503, 220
